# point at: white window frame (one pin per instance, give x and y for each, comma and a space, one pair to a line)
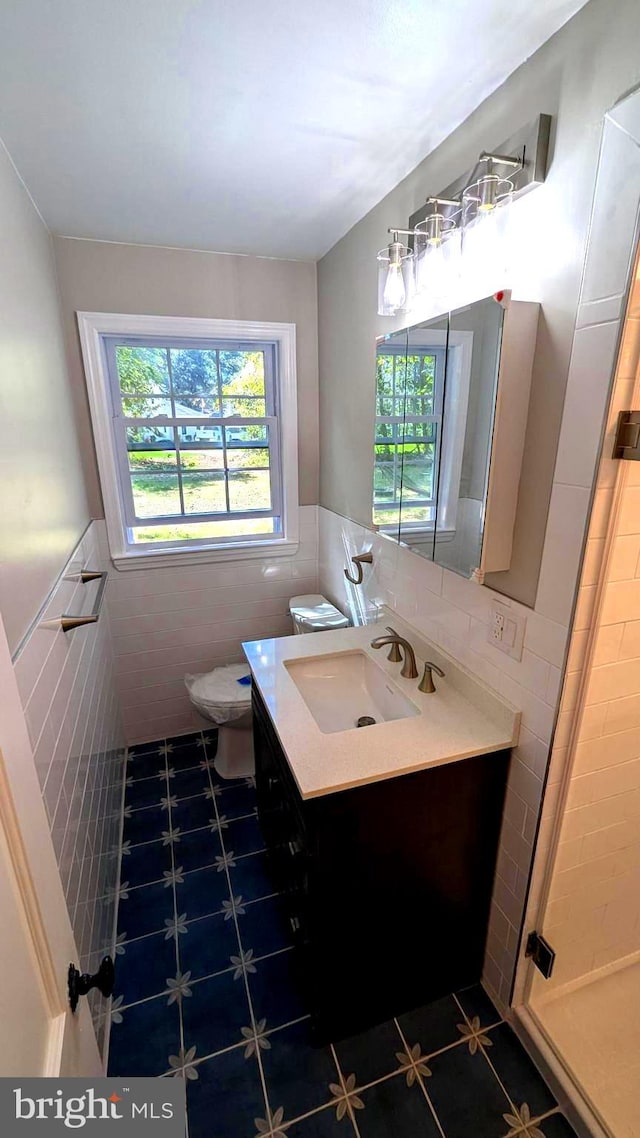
93, 328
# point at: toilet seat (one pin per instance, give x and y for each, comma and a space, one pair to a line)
218, 695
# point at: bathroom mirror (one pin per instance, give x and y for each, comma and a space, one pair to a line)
451, 409
410, 383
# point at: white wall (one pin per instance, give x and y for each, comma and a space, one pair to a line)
167, 622
71, 706
43, 506
96, 276
576, 76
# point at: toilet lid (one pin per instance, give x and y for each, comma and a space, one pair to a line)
315, 611
220, 686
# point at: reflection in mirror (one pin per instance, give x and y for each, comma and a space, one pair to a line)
471, 386
390, 393
421, 437
436, 389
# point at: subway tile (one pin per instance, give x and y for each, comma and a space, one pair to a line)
611, 681
592, 360
621, 714
621, 599
598, 753
567, 516
607, 646
546, 638
610, 246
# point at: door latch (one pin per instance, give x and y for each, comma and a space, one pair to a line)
542, 954
627, 440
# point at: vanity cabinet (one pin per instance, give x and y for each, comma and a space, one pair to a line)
387, 886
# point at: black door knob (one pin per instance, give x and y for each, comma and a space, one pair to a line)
81, 983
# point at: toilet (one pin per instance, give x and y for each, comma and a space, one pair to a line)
224, 694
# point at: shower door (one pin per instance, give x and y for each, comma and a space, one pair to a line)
584, 1018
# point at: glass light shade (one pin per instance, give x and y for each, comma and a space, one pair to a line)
485, 233
395, 279
437, 265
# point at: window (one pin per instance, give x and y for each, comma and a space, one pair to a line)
201, 433
409, 400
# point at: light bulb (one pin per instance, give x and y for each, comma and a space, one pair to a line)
394, 291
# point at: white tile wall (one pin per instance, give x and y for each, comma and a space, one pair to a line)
68, 691
168, 622
454, 613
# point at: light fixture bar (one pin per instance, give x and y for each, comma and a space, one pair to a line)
525, 152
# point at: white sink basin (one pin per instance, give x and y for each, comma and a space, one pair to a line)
343, 687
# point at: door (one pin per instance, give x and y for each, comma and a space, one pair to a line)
38, 1033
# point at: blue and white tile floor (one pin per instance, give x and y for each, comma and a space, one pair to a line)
206, 990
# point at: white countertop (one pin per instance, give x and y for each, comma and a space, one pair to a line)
462, 718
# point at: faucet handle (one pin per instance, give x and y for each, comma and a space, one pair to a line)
426, 683
395, 655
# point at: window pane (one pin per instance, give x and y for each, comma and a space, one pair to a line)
246, 436
140, 408
196, 436
205, 531
250, 490
418, 432
386, 517
417, 471
250, 408
204, 493
194, 372
151, 448
417, 514
384, 474
256, 456
206, 458
143, 370
155, 494
242, 373
196, 407
201, 448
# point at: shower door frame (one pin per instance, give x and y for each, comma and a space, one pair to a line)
623, 245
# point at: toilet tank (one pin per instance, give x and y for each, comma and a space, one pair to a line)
314, 613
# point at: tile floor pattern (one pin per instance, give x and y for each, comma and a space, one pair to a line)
206, 990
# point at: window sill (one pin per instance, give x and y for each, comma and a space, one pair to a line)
168, 558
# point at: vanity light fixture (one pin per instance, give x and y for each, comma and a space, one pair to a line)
485, 244
395, 276
436, 243
464, 232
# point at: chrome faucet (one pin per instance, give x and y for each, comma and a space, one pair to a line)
397, 642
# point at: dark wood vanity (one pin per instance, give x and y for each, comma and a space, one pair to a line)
387, 886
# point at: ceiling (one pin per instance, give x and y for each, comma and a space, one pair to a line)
252, 126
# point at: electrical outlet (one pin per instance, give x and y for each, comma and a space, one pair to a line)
497, 627
506, 630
